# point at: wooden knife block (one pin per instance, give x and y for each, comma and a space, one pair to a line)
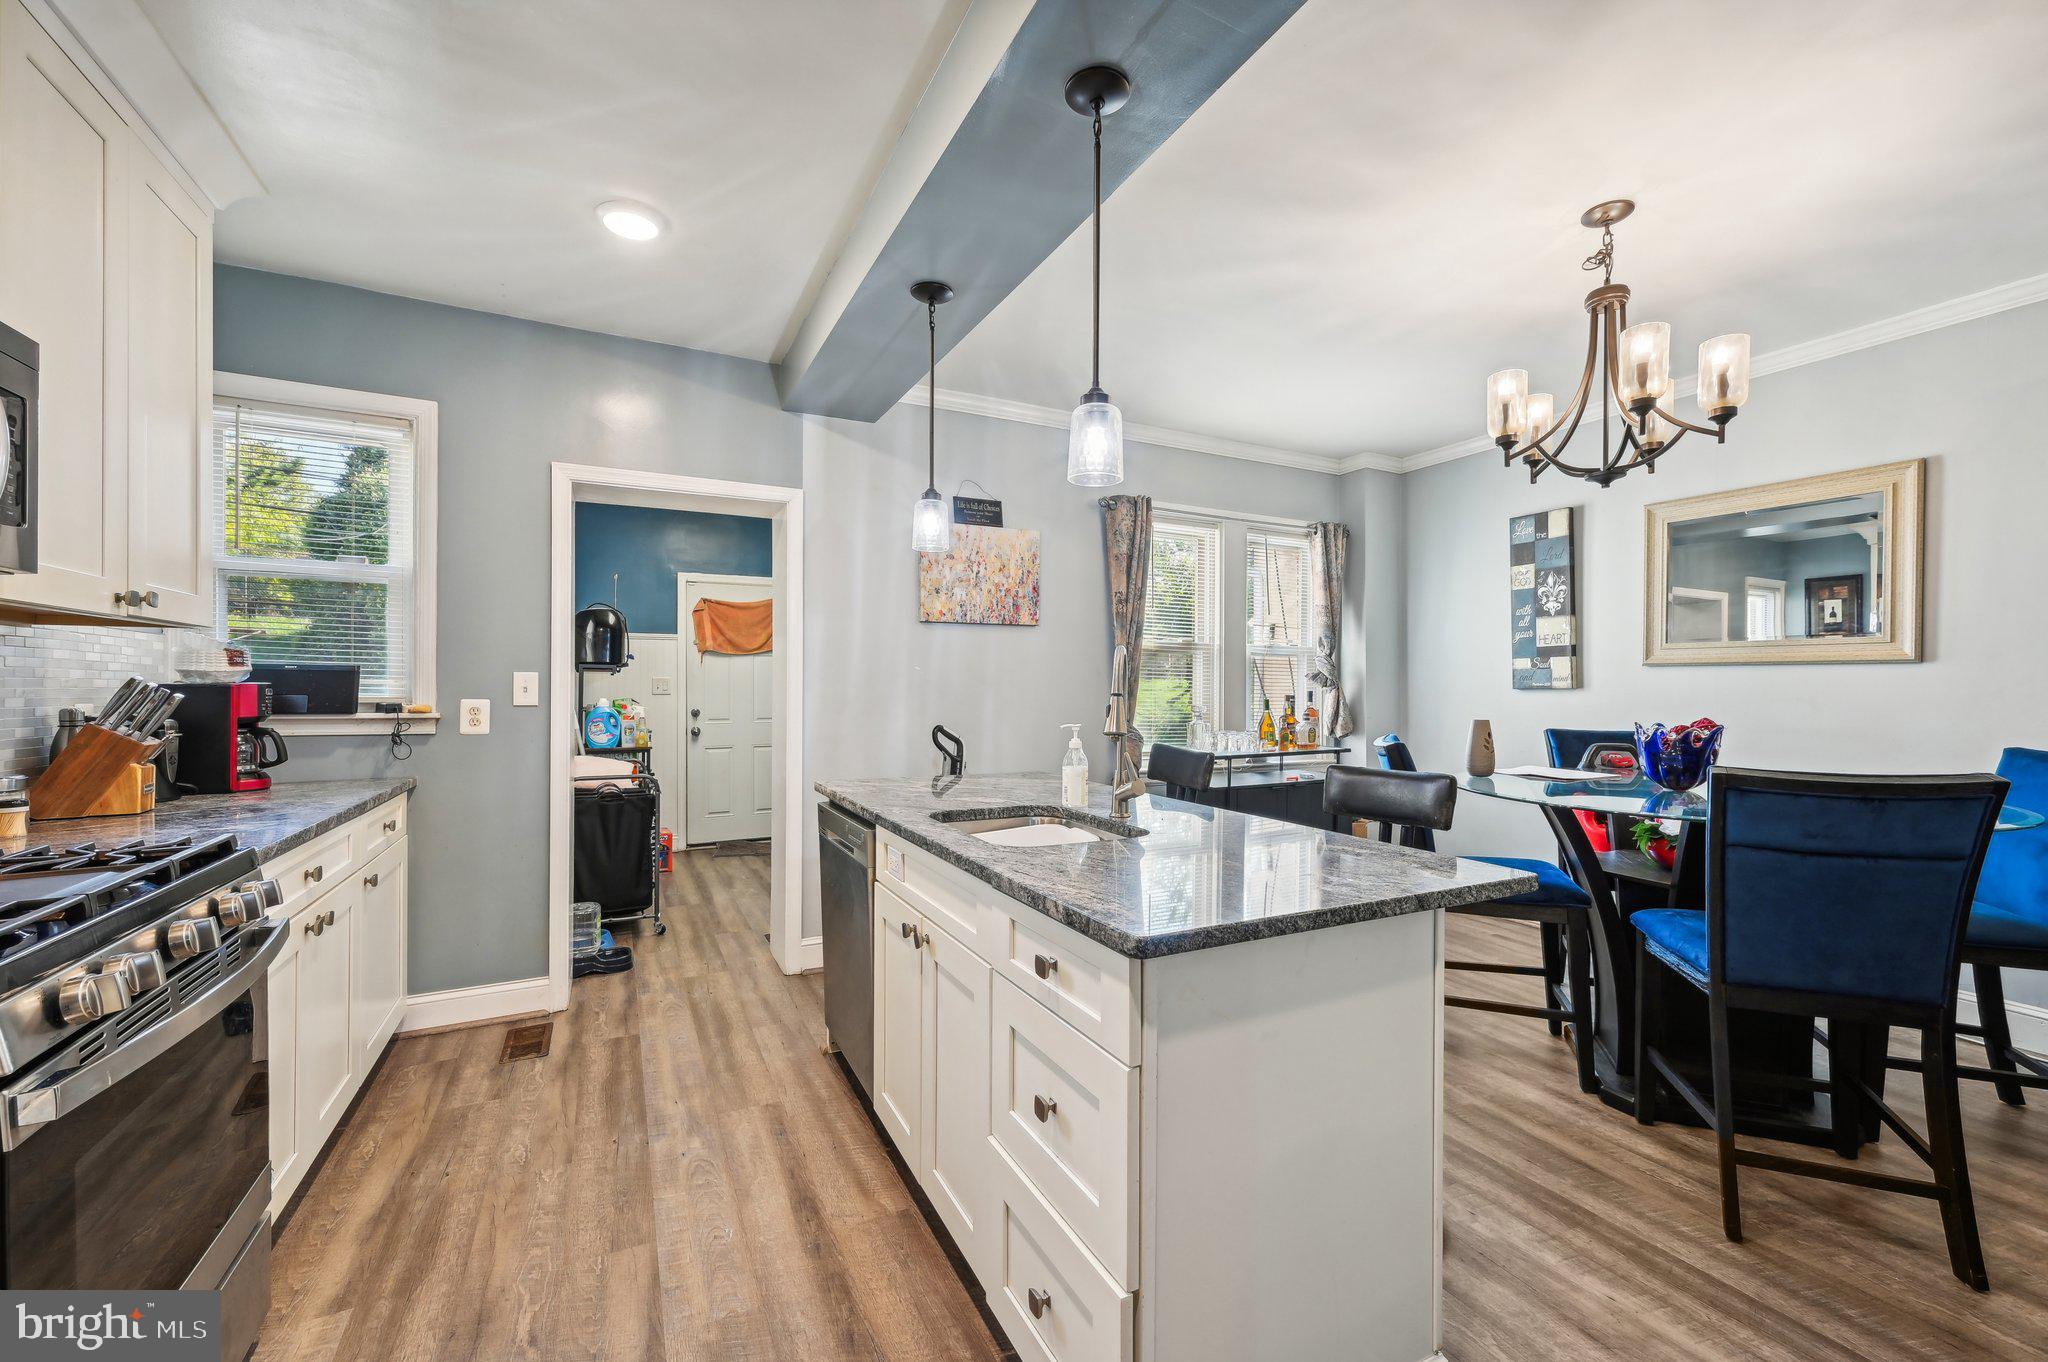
98, 774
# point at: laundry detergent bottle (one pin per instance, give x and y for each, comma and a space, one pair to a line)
601, 726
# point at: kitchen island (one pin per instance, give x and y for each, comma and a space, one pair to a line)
1174, 1087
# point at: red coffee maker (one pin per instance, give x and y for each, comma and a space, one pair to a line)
223, 746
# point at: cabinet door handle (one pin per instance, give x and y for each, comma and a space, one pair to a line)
1039, 1301
1044, 965
371, 881
132, 598
391, 825
330, 917
1043, 1108
910, 931
316, 874
313, 927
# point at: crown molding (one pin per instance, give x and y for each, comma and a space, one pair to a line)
1055, 418
1968, 308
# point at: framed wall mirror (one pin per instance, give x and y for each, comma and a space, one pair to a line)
1822, 569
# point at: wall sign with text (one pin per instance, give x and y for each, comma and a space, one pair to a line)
1544, 592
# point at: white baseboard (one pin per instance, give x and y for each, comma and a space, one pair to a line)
810, 954
2029, 1023
478, 1003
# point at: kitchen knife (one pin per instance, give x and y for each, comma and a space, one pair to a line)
152, 715
152, 697
123, 696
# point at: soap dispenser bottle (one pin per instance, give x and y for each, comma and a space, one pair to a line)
1074, 771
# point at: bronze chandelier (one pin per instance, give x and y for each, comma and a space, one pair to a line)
1634, 368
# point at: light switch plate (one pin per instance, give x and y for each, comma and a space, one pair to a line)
664, 685
476, 716
526, 688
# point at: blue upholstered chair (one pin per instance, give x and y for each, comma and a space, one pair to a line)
2009, 927
1842, 897
1558, 907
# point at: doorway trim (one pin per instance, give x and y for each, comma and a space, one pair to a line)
684, 640
784, 508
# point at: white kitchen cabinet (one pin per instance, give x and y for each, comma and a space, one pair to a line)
899, 1026
106, 262
953, 1158
327, 1053
379, 955
337, 989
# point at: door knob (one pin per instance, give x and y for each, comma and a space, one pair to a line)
695, 731
696, 714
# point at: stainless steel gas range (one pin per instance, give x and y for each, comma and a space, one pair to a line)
134, 1083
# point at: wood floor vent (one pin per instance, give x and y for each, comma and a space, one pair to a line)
527, 1042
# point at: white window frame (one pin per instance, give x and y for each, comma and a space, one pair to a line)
425, 418
1212, 607
1763, 586
1253, 651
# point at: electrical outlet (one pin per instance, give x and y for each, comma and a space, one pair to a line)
476, 716
664, 685
526, 688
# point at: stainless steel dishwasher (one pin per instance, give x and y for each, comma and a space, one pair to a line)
846, 855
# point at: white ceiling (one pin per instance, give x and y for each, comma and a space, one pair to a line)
1376, 212
1382, 207
457, 150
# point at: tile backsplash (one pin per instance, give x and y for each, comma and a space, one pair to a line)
44, 668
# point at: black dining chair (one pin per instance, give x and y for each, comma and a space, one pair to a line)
1182, 770
1558, 907
1842, 897
1420, 804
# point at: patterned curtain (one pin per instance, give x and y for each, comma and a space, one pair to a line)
1127, 538
1327, 542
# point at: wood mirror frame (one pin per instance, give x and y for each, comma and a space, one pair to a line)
1903, 486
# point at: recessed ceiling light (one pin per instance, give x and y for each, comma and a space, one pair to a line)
633, 221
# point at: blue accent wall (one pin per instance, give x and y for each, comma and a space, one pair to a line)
648, 545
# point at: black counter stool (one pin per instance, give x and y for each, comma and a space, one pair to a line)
1182, 770
1421, 804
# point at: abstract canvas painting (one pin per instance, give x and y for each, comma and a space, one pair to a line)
989, 576
1541, 585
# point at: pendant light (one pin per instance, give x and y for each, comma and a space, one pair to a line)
1095, 441
930, 529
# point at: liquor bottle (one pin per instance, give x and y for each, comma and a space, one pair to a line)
1311, 724
1289, 727
1268, 736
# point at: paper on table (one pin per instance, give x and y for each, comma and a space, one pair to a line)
1563, 773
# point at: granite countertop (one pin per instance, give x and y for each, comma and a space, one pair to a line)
274, 820
1198, 877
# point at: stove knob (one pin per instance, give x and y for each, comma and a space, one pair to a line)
193, 936
91, 996
266, 891
238, 910
140, 972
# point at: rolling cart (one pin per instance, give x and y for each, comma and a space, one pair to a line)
618, 847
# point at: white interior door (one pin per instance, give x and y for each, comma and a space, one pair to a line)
728, 722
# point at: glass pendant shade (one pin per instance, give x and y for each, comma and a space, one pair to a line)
1645, 363
1658, 430
930, 531
1095, 442
1507, 405
1724, 373
1542, 414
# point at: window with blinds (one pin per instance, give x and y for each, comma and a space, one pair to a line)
1177, 664
314, 538
1279, 623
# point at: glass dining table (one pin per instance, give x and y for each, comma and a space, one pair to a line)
1622, 880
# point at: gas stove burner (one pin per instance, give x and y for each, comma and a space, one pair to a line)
139, 851
56, 892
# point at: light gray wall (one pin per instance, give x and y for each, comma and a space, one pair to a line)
514, 396
1375, 622
877, 680
1948, 396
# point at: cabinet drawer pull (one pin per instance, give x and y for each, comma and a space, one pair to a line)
910, 931
391, 825
1039, 1301
316, 874
371, 881
1044, 965
1043, 1108
330, 917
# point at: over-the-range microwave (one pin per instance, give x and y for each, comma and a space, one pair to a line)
19, 360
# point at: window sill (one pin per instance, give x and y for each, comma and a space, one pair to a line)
350, 725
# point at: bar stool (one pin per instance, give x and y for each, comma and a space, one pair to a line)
1842, 897
1421, 804
1182, 770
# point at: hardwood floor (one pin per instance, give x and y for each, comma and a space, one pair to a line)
685, 1175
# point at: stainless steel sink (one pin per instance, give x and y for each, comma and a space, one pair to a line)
1063, 827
